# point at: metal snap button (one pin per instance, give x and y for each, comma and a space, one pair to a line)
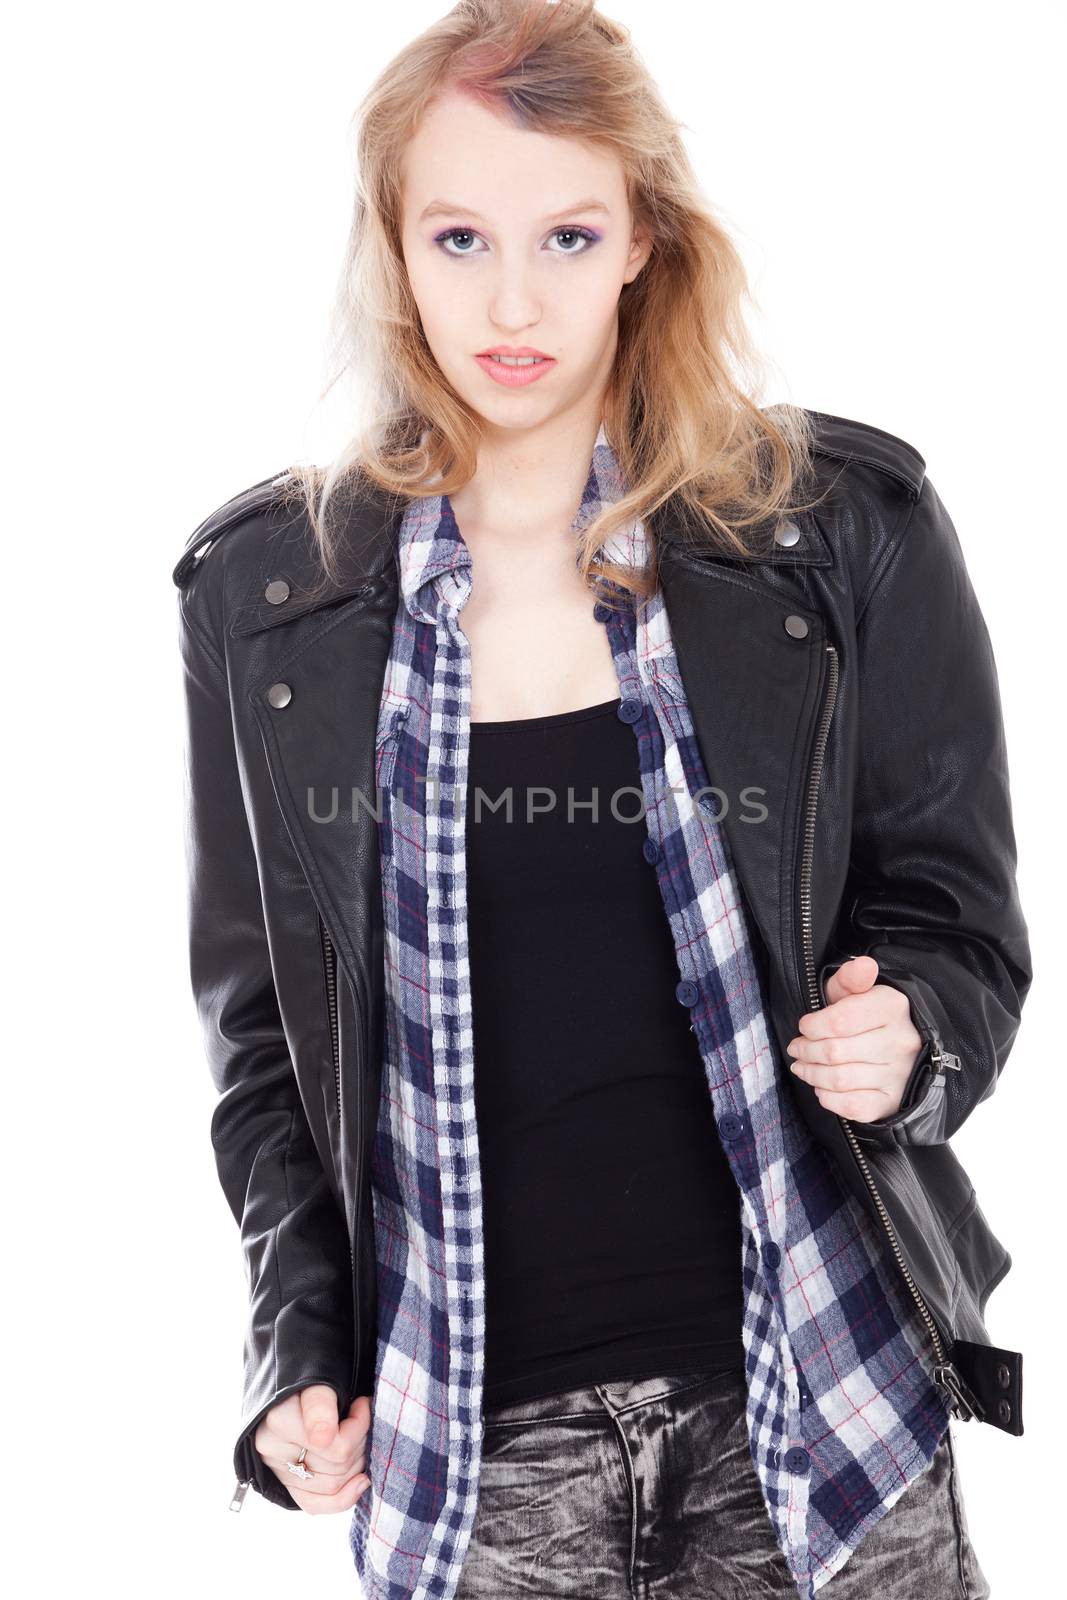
276, 592
1004, 1410
796, 627
1003, 1376
786, 533
279, 694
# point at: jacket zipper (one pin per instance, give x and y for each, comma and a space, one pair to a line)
940, 1059
329, 956
965, 1403
329, 959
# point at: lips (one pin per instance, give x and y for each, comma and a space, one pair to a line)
517, 372
515, 350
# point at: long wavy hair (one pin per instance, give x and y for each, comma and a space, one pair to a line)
680, 409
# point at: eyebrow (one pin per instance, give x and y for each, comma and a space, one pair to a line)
447, 207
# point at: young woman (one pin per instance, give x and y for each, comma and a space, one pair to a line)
602, 896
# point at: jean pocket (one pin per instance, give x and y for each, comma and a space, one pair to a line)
710, 1377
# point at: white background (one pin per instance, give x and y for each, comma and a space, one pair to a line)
177, 200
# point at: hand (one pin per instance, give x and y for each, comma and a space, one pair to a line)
337, 1452
858, 1051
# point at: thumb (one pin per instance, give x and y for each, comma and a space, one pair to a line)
854, 976
361, 1409
318, 1410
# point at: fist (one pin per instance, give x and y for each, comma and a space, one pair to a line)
336, 1450
858, 1050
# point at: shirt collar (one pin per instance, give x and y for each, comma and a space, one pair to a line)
435, 564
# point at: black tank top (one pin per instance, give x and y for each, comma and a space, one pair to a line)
611, 1219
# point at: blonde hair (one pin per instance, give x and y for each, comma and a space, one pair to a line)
678, 409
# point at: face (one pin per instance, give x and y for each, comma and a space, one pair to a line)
516, 239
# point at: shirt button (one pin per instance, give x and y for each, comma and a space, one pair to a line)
629, 710
770, 1253
687, 992
797, 1459
650, 850
601, 613
731, 1126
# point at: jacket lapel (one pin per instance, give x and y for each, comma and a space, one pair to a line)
751, 661
315, 684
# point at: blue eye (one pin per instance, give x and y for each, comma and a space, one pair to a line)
587, 235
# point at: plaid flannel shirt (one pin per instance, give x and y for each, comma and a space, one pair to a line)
843, 1411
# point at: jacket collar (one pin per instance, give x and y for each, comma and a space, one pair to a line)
416, 545
289, 580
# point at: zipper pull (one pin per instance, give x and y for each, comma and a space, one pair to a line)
966, 1404
240, 1489
940, 1059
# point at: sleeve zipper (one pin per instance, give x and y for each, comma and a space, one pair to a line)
240, 1489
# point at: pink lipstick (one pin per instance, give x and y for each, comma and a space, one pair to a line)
521, 364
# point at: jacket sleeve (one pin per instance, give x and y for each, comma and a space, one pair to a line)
932, 882
294, 1237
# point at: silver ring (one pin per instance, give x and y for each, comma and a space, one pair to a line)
297, 1467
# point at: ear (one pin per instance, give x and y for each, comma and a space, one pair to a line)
640, 250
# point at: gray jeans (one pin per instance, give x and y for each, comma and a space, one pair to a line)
646, 1490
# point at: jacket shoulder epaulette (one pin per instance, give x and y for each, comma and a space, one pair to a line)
843, 439
246, 504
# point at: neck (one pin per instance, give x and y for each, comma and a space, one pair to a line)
528, 484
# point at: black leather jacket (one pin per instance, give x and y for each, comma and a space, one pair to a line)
844, 672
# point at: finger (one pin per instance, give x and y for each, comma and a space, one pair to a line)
876, 1047
324, 1478
853, 976
355, 1426
343, 1498
339, 1458
361, 1410
858, 1105
318, 1409
319, 1482
848, 1076
854, 1013
353, 1440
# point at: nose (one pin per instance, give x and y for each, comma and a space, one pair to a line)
515, 305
